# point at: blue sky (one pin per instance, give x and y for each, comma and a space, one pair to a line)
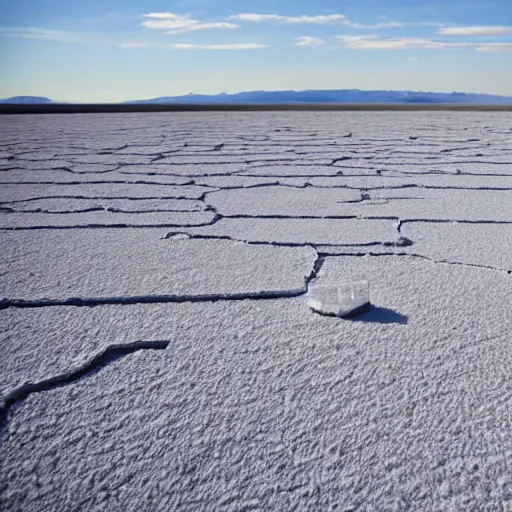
115, 50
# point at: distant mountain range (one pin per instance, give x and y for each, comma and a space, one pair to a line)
331, 96
311, 96
27, 100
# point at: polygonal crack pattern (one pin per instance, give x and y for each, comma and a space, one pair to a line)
206, 230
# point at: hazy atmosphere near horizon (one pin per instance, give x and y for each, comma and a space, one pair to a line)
119, 50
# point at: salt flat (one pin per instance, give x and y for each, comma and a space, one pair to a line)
157, 351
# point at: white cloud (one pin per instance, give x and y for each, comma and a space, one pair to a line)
58, 36
330, 19
49, 35
187, 46
407, 43
180, 24
386, 24
235, 46
475, 31
135, 44
202, 26
65, 37
309, 41
399, 43
494, 48
160, 15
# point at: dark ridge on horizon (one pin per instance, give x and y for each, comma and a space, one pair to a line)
105, 108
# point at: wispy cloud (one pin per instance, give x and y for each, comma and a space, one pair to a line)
135, 44
330, 19
176, 24
68, 37
188, 46
49, 35
375, 26
494, 48
221, 47
58, 36
407, 43
475, 31
160, 15
181, 24
312, 42
398, 43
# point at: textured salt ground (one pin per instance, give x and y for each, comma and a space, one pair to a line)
77, 205
27, 220
398, 247
282, 201
419, 167
441, 160
290, 170
486, 245
10, 193
405, 203
20, 175
37, 165
94, 264
201, 169
64, 339
429, 181
302, 231
108, 160
212, 158
470, 205
282, 408
266, 404
238, 181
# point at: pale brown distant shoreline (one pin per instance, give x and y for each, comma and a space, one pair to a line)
58, 108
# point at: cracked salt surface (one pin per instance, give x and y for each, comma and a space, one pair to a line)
14, 192
302, 231
256, 401
283, 201
103, 218
283, 401
109, 265
75, 205
486, 205
57, 176
415, 181
473, 244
